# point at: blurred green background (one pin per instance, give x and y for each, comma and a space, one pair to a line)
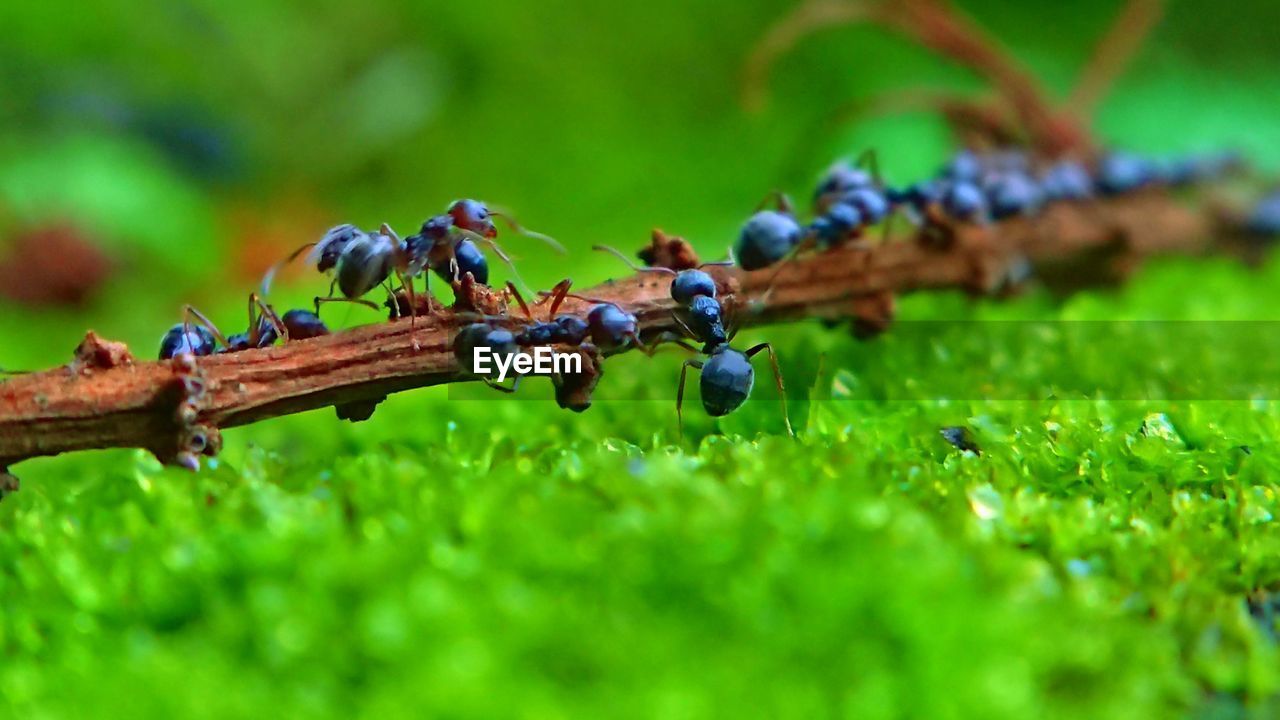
200, 141
484, 559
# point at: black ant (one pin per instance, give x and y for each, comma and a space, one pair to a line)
265, 328
447, 244
447, 241
727, 376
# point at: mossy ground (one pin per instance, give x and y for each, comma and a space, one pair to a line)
477, 558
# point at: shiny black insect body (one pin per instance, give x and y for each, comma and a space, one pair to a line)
197, 335
727, 377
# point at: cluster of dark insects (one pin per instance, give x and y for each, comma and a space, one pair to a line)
851, 198
449, 245
849, 201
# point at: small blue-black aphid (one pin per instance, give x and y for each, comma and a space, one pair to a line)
767, 238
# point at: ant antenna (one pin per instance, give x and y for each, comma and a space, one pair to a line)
780, 200
870, 159
265, 287
627, 261
497, 250
522, 230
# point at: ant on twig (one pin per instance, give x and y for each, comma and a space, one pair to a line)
265, 328
447, 243
727, 376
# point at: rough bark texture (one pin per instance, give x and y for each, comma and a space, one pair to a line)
105, 399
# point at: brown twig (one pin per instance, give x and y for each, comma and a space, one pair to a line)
938, 26
1113, 53
104, 399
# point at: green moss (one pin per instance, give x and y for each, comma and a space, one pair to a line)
479, 556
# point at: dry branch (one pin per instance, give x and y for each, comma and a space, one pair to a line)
105, 399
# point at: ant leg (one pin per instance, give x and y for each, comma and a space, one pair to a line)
684, 370
680, 321
522, 230
685, 344
515, 384
870, 159
646, 349
558, 294
357, 301
807, 243
777, 376
513, 292
627, 261
189, 312
502, 255
268, 312
333, 284
781, 201
886, 228
407, 283
270, 275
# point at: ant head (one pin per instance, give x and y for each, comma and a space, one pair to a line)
474, 216
689, 284
187, 338
330, 247
727, 379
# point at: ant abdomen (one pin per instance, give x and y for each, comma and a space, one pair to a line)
767, 238
610, 326
726, 382
469, 259
303, 324
364, 264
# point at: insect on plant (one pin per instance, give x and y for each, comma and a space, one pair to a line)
726, 375
197, 335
